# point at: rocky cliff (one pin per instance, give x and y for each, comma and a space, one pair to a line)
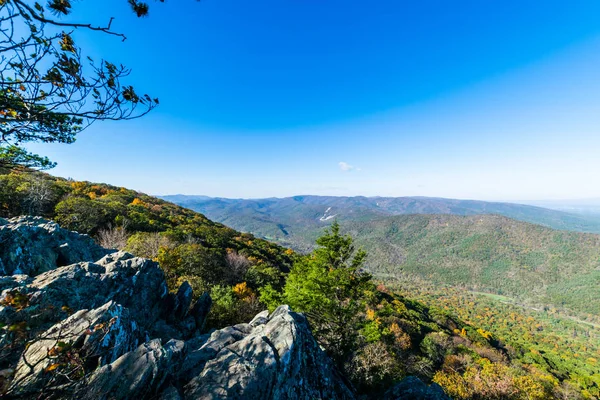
79, 321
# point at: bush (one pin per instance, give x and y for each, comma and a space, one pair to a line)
148, 244
84, 215
191, 259
373, 367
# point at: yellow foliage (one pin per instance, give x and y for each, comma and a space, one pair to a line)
78, 186
453, 384
370, 314
530, 389
484, 333
242, 291
400, 306
137, 202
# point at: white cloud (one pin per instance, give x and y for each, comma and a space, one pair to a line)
344, 166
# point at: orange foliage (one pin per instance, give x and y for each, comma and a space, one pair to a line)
401, 338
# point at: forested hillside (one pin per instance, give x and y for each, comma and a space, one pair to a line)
186, 243
375, 336
542, 337
297, 221
482, 252
488, 253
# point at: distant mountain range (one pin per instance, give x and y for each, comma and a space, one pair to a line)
588, 207
501, 248
297, 221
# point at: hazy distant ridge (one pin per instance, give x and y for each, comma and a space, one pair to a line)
272, 217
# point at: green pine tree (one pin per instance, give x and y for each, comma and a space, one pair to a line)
329, 286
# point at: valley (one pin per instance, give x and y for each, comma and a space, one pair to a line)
429, 311
404, 207
476, 245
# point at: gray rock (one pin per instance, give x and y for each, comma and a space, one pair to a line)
207, 350
200, 310
96, 337
14, 281
260, 318
32, 245
170, 393
137, 374
184, 300
166, 331
135, 283
412, 388
276, 360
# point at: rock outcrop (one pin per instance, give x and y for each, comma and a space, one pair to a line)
98, 337
274, 358
77, 322
32, 245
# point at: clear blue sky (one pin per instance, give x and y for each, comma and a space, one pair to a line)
470, 99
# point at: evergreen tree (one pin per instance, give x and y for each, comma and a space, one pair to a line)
329, 287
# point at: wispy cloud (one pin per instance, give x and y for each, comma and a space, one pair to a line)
344, 166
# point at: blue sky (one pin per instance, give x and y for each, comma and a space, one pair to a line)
470, 99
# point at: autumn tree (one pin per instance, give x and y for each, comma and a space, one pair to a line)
49, 90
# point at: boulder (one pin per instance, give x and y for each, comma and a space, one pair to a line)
200, 310
32, 245
85, 340
183, 301
13, 282
33, 306
279, 359
134, 283
137, 374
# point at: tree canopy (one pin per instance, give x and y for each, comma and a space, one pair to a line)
49, 90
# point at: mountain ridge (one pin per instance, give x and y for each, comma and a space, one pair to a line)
263, 217
396, 336
424, 236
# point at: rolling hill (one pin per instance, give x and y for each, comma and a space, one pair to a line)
488, 253
297, 221
455, 242
528, 353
